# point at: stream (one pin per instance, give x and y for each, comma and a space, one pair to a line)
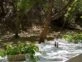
65, 51
49, 53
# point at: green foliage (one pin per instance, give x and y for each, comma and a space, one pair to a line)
12, 50
81, 17
2, 52
30, 49
79, 6
68, 37
77, 37
73, 37
24, 5
71, 10
21, 48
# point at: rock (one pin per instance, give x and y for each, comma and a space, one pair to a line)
76, 59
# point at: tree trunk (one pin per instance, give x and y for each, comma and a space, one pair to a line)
43, 34
16, 35
47, 22
17, 24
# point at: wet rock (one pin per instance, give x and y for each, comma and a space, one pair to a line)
76, 59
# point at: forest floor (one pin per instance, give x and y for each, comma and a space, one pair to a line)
32, 35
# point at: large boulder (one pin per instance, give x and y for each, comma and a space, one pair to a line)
76, 59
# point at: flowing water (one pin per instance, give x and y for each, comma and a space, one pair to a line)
65, 51
49, 53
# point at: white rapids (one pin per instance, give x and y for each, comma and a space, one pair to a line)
65, 51
49, 53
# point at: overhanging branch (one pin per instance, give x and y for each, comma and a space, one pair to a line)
63, 11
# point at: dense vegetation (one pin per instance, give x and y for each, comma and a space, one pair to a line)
41, 17
20, 49
18, 15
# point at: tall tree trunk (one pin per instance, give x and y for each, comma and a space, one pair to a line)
17, 24
47, 22
17, 29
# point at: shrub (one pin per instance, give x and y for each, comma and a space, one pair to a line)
73, 37
20, 48
2, 52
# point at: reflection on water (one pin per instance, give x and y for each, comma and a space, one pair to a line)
49, 53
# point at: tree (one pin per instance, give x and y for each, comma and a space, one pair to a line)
18, 13
50, 17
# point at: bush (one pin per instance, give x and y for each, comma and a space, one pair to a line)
2, 52
73, 37
20, 48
